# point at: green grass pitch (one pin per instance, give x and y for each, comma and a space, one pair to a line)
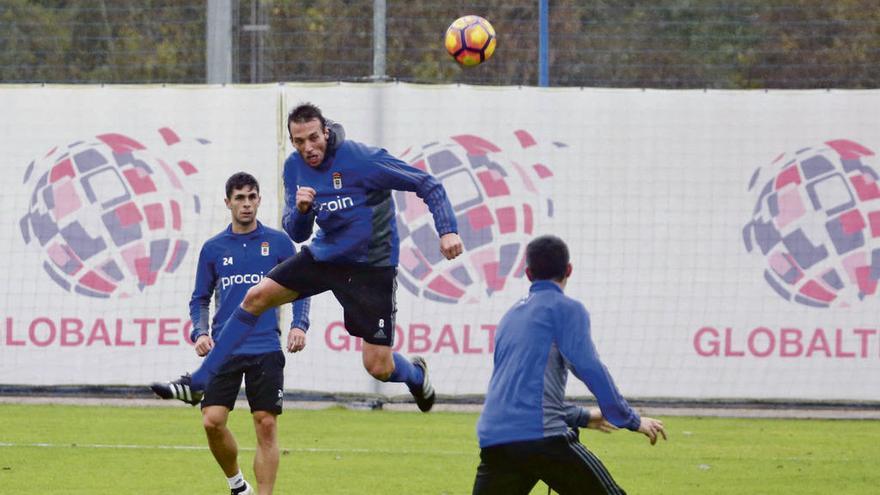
47, 449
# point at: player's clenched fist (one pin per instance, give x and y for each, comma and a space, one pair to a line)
450, 245
305, 196
204, 344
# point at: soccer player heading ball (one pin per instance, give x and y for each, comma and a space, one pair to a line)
345, 187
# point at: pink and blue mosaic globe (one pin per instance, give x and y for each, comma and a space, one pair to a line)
816, 224
107, 213
498, 203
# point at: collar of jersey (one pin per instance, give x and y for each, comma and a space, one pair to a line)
250, 235
545, 285
327, 163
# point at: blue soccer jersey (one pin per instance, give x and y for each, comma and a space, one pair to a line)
537, 342
229, 264
353, 205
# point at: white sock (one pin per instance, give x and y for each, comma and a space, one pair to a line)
236, 481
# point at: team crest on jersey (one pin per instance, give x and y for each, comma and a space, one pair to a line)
337, 180
264, 248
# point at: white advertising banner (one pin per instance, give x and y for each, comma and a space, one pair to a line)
726, 244
112, 192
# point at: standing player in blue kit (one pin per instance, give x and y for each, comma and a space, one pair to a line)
230, 263
524, 429
345, 187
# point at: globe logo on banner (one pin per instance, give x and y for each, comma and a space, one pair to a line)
498, 205
106, 213
816, 224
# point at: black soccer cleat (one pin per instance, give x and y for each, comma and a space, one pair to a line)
425, 395
180, 389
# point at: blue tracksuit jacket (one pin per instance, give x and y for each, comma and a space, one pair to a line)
229, 264
537, 342
353, 205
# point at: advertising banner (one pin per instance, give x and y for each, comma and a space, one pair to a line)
112, 191
725, 243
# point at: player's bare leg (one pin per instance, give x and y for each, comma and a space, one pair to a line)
266, 295
378, 361
385, 365
266, 457
222, 443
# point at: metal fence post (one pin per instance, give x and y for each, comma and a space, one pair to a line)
379, 45
218, 42
543, 43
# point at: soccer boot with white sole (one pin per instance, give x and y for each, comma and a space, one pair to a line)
425, 395
242, 490
180, 389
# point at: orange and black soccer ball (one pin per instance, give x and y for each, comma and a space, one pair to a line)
471, 40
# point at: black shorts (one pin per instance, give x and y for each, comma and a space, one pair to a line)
263, 382
560, 461
367, 293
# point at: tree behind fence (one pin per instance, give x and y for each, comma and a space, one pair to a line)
663, 44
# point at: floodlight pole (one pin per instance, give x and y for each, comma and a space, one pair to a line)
379, 45
543, 42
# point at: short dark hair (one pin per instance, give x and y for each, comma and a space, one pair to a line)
240, 180
547, 258
305, 112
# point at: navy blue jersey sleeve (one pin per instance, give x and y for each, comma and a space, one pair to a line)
300, 307
297, 225
577, 348
576, 416
301, 314
200, 302
392, 173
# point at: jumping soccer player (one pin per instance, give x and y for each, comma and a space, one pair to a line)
524, 427
345, 187
229, 264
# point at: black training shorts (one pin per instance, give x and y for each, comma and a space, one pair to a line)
263, 382
561, 461
366, 293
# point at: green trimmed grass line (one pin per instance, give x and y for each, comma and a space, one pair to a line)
112, 450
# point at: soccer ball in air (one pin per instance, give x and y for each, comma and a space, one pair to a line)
470, 40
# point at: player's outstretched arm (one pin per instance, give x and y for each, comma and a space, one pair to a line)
652, 428
393, 173
577, 348
450, 245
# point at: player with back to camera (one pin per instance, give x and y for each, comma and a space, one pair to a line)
345, 187
523, 430
229, 264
